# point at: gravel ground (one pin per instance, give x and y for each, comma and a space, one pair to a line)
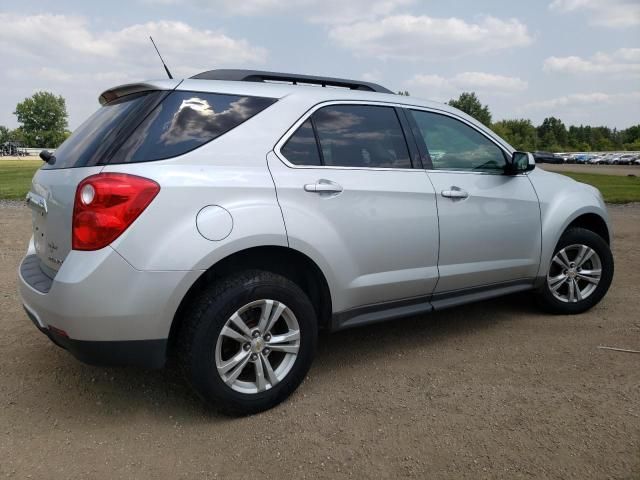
492, 390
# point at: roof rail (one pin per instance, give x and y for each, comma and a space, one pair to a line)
261, 76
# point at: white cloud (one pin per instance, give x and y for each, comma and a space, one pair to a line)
68, 40
318, 11
489, 82
64, 54
610, 13
440, 88
578, 100
621, 61
418, 37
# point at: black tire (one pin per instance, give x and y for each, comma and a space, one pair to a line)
204, 321
579, 236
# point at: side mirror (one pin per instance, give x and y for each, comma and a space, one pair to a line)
520, 162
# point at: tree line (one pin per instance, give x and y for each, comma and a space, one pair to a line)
43, 121
552, 135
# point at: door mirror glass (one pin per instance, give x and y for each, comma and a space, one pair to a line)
520, 162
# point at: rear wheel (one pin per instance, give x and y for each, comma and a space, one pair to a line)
579, 274
248, 342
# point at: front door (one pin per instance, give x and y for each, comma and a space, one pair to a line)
489, 222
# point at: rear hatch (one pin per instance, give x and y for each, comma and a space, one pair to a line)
84, 153
137, 123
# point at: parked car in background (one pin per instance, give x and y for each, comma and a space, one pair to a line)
547, 157
597, 160
625, 159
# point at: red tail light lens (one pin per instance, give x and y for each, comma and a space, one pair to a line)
105, 205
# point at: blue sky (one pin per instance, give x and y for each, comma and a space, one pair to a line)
575, 59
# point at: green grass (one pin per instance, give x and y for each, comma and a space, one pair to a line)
15, 177
614, 188
15, 180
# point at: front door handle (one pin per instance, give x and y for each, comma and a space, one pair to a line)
455, 192
323, 186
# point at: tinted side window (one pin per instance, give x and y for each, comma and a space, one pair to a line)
453, 145
302, 148
187, 120
361, 136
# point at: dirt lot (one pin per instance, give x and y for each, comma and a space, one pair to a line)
623, 170
493, 390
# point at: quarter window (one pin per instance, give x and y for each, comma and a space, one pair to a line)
301, 148
453, 145
185, 121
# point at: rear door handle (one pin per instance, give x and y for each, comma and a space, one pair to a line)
323, 186
455, 192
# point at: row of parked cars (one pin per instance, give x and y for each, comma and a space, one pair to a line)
611, 158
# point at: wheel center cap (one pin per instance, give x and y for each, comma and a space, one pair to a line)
572, 273
257, 345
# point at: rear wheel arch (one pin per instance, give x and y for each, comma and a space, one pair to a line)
284, 261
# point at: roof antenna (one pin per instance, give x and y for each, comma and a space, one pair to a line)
161, 59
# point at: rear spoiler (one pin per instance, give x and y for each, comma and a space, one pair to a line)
129, 88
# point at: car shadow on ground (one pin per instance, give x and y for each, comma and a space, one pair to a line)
118, 392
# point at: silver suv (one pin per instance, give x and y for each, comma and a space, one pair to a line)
223, 219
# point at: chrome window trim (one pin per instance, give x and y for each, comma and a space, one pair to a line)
280, 143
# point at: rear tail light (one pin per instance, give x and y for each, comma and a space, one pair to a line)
105, 205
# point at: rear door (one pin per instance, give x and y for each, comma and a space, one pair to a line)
489, 222
353, 202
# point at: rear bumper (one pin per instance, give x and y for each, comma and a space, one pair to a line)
102, 310
136, 353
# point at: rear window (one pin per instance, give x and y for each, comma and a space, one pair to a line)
90, 142
154, 126
187, 120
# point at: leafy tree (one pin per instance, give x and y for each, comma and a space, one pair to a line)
469, 103
17, 135
4, 134
630, 137
520, 133
553, 134
43, 119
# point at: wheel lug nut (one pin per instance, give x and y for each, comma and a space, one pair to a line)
254, 356
267, 337
256, 334
246, 346
266, 351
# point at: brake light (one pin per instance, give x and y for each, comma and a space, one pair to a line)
105, 205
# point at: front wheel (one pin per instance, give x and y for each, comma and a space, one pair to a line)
579, 274
248, 342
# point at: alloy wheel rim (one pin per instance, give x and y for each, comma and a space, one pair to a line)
257, 346
574, 274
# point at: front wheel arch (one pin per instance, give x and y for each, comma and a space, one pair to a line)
592, 222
